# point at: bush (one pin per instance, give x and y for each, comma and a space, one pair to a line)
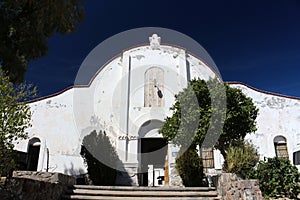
241, 159
278, 178
100, 157
190, 168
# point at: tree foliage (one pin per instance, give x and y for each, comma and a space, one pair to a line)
191, 120
190, 168
15, 118
278, 178
101, 158
25, 27
240, 119
241, 159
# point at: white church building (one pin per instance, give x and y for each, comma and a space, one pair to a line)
128, 95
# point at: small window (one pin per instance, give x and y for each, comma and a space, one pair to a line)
154, 87
207, 155
281, 147
296, 158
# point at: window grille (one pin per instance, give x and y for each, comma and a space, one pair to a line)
281, 147
207, 156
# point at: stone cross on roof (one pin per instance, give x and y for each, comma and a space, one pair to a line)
154, 41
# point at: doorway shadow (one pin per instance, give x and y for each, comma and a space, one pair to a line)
153, 156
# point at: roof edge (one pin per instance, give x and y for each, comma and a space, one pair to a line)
228, 82
262, 91
51, 95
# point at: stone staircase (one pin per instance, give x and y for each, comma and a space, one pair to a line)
140, 193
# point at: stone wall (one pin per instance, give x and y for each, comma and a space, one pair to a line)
231, 187
45, 177
27, 185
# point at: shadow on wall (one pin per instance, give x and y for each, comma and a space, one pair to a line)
102, 160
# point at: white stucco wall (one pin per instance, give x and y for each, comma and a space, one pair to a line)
278, 116
62, 120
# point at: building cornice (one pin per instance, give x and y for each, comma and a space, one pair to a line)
261, 91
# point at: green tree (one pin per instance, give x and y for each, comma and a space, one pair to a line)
190, 168
240, 119
191, 120
14, 119
25, 27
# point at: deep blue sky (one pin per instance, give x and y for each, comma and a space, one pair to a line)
256, 42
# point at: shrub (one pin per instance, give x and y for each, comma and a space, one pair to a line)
278, 178
241, 159
100, 157
190, 168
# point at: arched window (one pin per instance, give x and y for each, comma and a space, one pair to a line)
33, 154
281, 147
154, 87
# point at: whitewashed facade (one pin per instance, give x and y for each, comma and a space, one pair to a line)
123, 99
277, 124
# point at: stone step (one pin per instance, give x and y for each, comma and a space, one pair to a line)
143, 193
85, 197
140, 193
139, 188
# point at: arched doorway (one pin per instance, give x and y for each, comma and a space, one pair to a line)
33, 154
152, 154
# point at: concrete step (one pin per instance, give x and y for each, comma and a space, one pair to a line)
84, 197
140, 188
142, 193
